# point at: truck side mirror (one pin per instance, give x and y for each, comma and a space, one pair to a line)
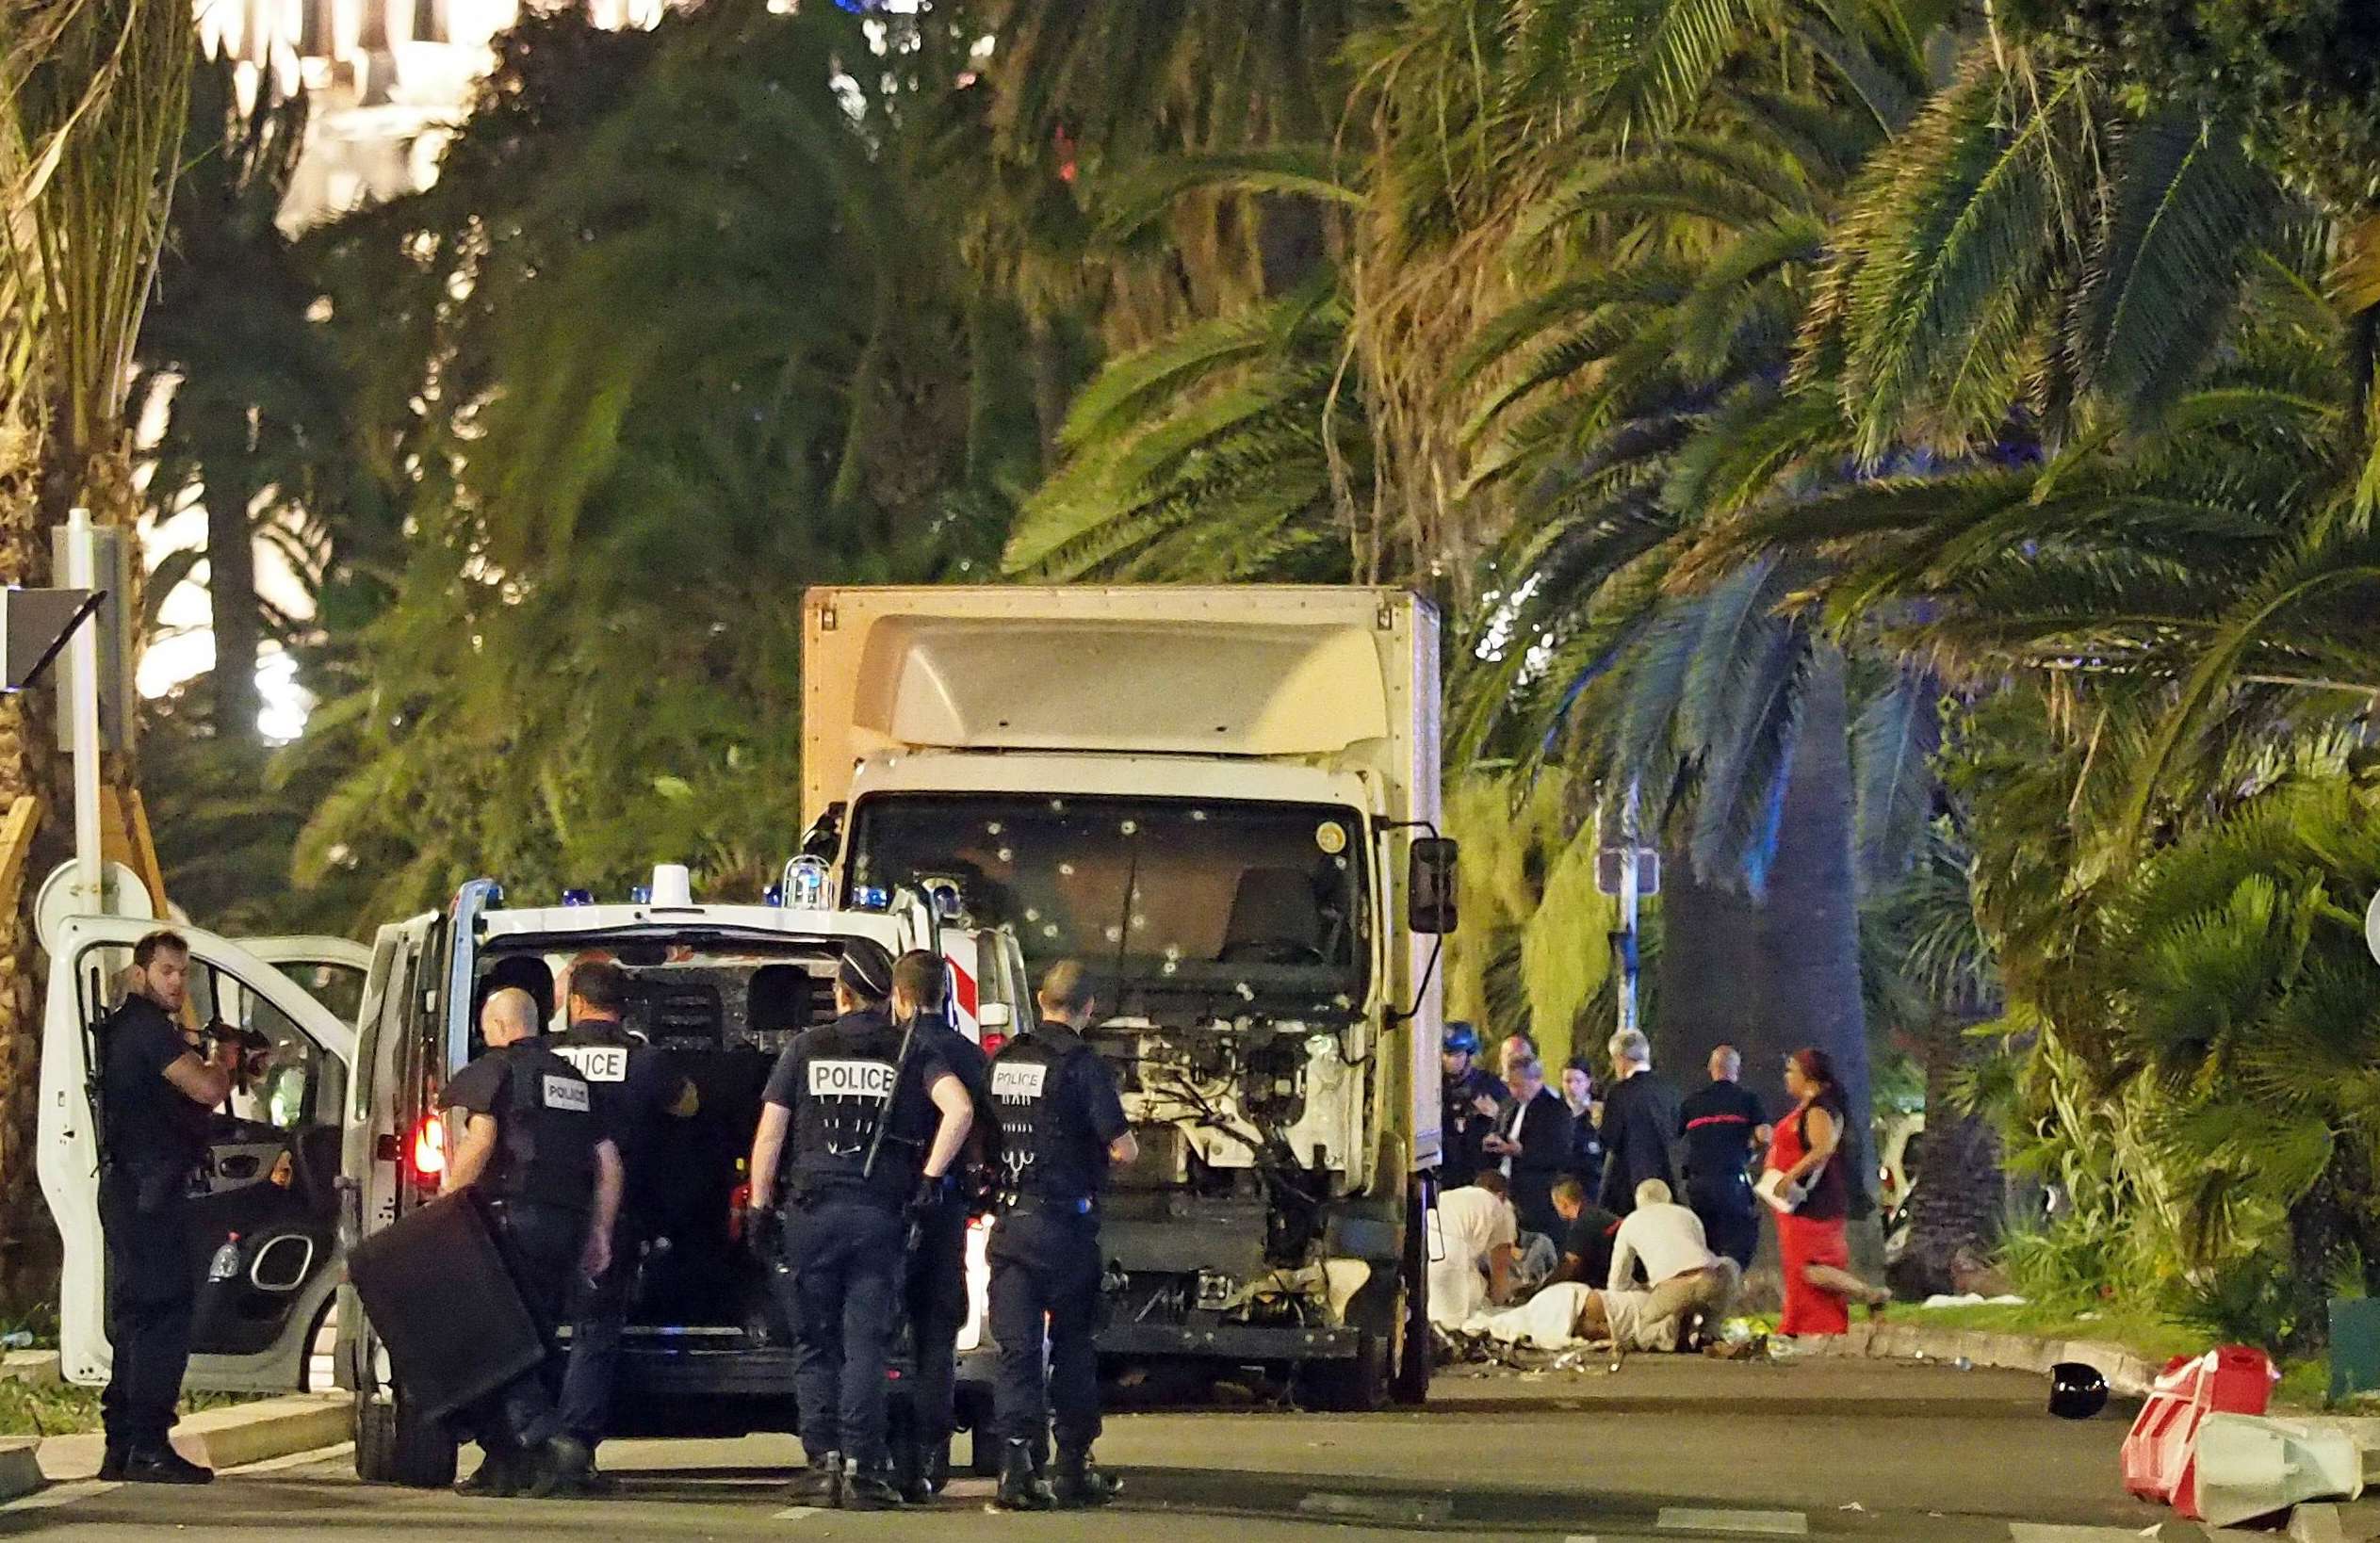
1429, 885
824, 839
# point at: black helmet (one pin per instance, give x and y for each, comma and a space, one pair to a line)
1462, 1039
2077, 1391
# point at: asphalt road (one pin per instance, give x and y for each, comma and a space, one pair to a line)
1665, 1447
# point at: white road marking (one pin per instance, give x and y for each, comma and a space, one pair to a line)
2049, 1531
1679, 1519
795, 1513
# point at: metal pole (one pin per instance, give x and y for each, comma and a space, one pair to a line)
82, 658
1628, 912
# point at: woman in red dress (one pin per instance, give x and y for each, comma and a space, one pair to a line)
1811, 1241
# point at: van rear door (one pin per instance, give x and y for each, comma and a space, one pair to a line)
266, 1199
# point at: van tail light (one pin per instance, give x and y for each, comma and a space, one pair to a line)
993, 1041
429, 1151
738, 1201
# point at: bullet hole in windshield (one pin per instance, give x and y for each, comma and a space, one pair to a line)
991, 827
1007, 855
1115, 934
1033, 913
1065, 869
1130, 827
1051, 930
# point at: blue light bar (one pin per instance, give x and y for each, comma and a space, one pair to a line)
867, 897
640, 894
578, 896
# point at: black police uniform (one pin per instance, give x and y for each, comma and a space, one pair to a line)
843, 1228
156, 1137
1718, 1124
1059, 1113
540, 1187
1464, 1130
936, 1289
635, 1089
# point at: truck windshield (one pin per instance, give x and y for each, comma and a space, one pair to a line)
1176, 896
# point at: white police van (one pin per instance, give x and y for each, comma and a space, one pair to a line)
724, 988
267, 1198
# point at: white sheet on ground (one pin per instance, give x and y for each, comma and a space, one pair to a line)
1546, 1321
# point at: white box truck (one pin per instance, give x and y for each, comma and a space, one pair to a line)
1223, 800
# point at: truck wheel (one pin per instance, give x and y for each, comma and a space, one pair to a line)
394, 1444
1358, 1385
1414, 1348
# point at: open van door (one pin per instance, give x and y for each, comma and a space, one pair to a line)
267, 1196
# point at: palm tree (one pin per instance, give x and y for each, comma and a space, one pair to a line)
255, 429
90, 119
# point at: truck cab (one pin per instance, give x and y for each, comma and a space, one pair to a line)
724, 988
267, 1196
1222, 802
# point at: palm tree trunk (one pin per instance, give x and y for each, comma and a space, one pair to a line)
1710, 953
1809, 985
1955, 1212
231, 586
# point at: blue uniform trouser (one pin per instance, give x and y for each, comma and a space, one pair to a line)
598, 1314
1730, 1214
937, 1291
542, 1243
845, 1253
151, 1295
1045, 1267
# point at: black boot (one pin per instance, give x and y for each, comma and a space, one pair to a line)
820, 1485
497, 1477
867, 1488
163, 1465
111, 1467
1078, 1483
1020, 1484
938, 1466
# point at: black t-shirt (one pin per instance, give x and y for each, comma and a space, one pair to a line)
824, 1077
1590, 1238
547, 1138
1718, 1123
635, 1089
151, 1124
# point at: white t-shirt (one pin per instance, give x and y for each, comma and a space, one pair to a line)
1469, 1222
1669, 1239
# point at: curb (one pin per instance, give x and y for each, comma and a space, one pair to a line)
34, 1365
223, 1439
20, 1467
2128, 1376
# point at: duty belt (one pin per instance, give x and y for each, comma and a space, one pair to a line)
1038, 1204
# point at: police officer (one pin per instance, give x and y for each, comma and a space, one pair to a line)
1473, 1108
936, 1289
1723, 1127
637, 1092
849, 1137
1060, 1125
534, 1145
155, 1091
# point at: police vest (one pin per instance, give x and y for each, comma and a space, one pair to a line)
851, 1084
546, 1131
1044, 1141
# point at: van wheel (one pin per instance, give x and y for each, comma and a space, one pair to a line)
1358, 1385
394, 1444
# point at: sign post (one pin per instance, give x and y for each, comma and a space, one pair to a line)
1630, 872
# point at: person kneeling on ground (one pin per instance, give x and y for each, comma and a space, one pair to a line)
1471, 1267
1688, 1282
1589, 1234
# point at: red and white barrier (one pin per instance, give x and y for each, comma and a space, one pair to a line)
2161, 1454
